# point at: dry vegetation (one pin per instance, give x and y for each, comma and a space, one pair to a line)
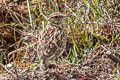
93, 28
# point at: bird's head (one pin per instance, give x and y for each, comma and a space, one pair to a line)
56, 19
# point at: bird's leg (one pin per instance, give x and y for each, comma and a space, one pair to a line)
41, 64
56, 60
44, 63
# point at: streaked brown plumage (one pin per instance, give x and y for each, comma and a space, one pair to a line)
52, 41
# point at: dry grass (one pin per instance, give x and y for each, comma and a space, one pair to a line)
93, 29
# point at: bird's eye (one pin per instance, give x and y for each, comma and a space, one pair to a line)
56, 16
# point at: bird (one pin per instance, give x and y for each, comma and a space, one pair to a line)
52, 39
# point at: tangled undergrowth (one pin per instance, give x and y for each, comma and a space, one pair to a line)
93, 50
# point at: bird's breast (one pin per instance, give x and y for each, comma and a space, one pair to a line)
53, 41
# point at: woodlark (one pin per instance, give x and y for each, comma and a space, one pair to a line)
52, 39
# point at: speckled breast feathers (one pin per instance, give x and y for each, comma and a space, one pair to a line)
52, 42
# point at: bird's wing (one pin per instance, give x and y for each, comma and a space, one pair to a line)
51, 41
